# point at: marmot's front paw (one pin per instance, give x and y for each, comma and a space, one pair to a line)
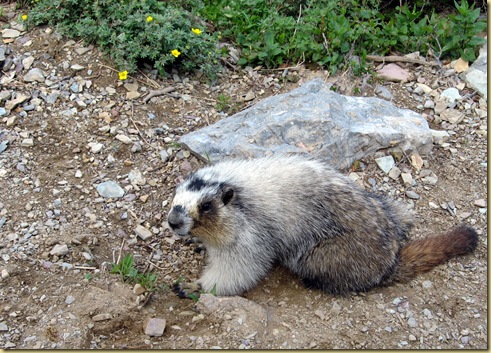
185, 289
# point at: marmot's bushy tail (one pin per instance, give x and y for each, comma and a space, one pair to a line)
421, 255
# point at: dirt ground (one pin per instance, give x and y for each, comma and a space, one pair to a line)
52, 301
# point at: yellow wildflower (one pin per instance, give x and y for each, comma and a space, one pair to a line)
149, 19
196, 31
175, 52
123, 75
24, 17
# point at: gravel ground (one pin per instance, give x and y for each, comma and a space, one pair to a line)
68, 126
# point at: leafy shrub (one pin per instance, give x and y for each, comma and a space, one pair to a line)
134, 31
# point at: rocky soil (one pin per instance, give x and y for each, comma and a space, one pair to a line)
87, 168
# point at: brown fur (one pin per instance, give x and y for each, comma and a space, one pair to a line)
422, 255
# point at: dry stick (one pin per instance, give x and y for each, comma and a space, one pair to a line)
120, 251
154, 83
86, 267
396, 58
159, 92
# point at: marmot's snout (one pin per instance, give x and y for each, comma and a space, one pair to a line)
178, 220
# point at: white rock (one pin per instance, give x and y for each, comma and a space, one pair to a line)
385, 163
451, 94
124, 139
34, 74
5, 274
27, 143
155, 327
95, 147
143, 232
10, 33
59, 250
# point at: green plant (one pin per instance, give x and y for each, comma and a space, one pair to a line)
223, 102
133, 32
126, 269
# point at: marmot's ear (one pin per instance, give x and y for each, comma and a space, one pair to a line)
227, 194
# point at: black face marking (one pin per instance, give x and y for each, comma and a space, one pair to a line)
196, 183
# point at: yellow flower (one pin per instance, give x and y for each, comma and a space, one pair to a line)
149, 19
123, 75
196, 30
24, 17
175, 52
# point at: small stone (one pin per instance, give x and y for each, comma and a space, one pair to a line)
5, 273
27, 143
11, 121
164, 156
412, 195
143, 232
394, 73
407, 178
427, 313
439, 136
155, 327
412, 322
124, 139
384, 93
424, 88
394, 173
19, 99
3, 327
139, 289
59, 250
9, 345
10, 33
453, 116
69, 300
132, 95
427, 284
95, 147
77, 67
102, 317
33, 75
460, 65
81, 51
131, 87
416, 161
451, 94
78, 174
480, 203
136, 177
27, 62
110, 189
385, 163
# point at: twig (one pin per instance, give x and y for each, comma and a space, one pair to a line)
155, 84
396, 58
298, 20
120, 251
86, 267
159, 92
233, 67
154, 265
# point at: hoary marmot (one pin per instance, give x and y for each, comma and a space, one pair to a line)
300, 213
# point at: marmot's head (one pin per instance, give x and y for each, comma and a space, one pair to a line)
200, 208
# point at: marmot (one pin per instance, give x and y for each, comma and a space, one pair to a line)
302, 214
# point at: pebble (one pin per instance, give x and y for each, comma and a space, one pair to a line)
95, 147
480, 203
10, 33
427, 284
3, 327
385, 163
155, 327
69, 300
139, 289
412, 322
102, 317
34, 75
59, 250
143, 232
4, 145
407, 179
5, 274
412, 195
452, 94
110, 189
124, 139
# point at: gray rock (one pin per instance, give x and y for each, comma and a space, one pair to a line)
34, 74
102, 317
452, 94
3, 145
143, 232
10, 33
477, 75
155, 327
59, 250
3, 327
385, 163
110, 189
411, 322
69, 300
3, 111
338, 129
412, 195
384, 93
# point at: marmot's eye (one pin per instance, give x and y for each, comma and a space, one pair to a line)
207, 206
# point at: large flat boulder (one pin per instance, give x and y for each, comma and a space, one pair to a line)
312, 118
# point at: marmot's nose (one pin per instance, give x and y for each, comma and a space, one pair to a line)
174, 218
